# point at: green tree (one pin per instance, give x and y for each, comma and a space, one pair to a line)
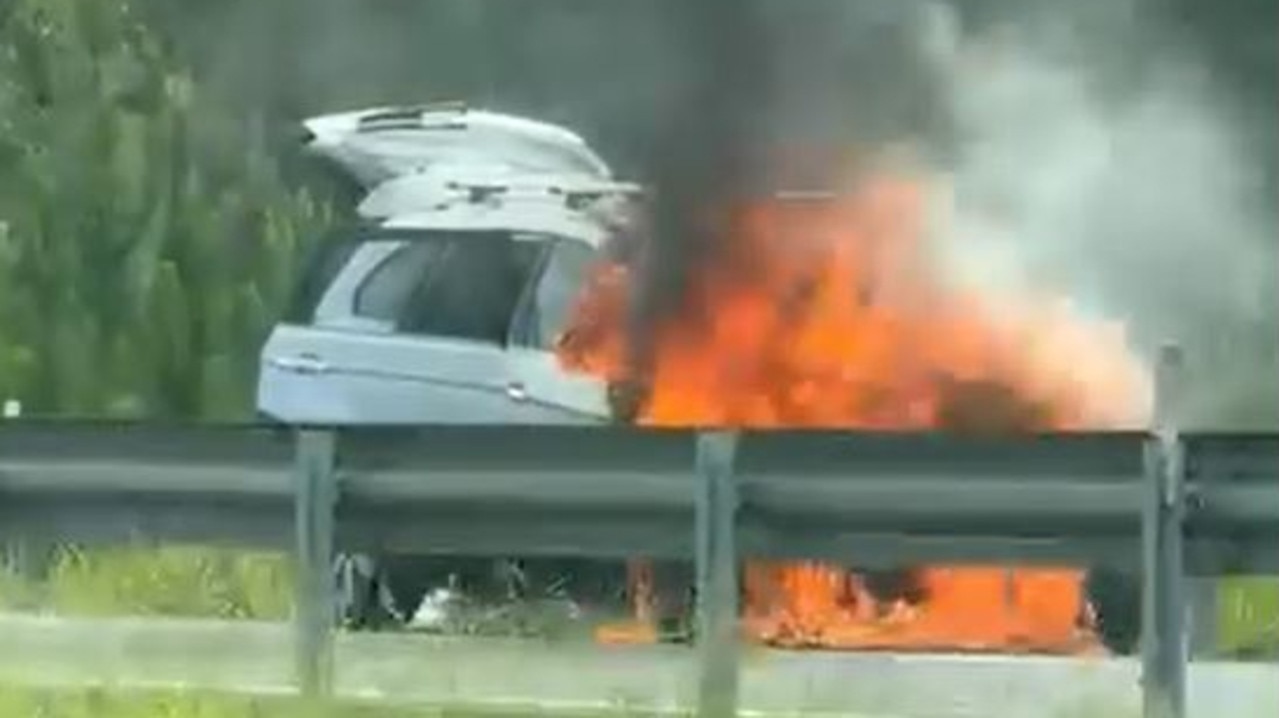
146, 243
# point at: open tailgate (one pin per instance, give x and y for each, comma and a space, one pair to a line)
379, 144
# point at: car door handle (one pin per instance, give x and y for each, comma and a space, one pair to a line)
517, 391
301, 364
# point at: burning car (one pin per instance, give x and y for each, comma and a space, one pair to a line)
487, 284
444, 304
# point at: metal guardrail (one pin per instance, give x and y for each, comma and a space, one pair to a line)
886, 499
1161, 503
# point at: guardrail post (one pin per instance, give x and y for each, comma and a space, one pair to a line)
1165, 649
315, 498
717, 580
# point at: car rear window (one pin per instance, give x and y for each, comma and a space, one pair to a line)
465, 285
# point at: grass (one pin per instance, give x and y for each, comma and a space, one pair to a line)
105, 703
165, 581
100, 703
1248, 616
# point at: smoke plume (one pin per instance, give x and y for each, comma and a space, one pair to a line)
1083, 152
1133, 193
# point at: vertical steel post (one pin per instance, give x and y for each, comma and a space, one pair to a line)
717, 580
1165, 649
315, 499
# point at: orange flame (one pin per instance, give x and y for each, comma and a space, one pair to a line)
834, 315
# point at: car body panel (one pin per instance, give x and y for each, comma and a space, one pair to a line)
548, 394
327, 376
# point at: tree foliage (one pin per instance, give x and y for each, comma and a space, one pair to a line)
145, 243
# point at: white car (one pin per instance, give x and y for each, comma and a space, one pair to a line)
479, 230
477, 233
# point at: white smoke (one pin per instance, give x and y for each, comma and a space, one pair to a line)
1137, 204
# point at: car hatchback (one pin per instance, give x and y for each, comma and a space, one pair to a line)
444, 306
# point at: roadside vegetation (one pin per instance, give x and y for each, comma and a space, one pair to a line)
168, 581
104, 703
